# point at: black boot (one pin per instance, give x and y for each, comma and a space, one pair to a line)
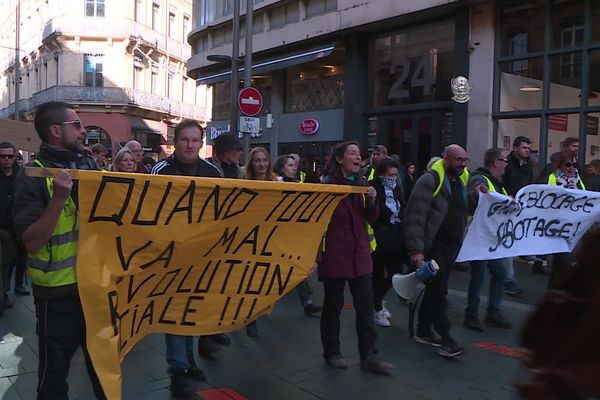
180, 388
193, 372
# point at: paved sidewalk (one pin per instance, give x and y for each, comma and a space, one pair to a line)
285, 361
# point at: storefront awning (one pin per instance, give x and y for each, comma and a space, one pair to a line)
262, 66
142, 125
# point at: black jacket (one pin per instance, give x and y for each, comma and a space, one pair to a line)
517, 174
172, 166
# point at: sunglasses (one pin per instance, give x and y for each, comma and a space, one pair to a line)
569, 165
9, 156
502, 159
76, 123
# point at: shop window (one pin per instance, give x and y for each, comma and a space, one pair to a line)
93, 70
594, 82
522, 28
560, 127
94, 8
595, 18
509, 129
318, 85
521, 85
592, 138
412, 66
567, 23
565, 86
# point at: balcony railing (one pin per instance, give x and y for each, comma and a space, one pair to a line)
116, 27
111, 96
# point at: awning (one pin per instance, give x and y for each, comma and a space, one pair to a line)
262, 66
143, 125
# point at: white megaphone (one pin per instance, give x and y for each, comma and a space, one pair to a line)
406, 285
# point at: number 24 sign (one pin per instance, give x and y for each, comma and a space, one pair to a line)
422, 76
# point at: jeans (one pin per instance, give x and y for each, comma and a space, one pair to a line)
304, 293
333, 302
509, 270
178, 349
61, 330
497, 270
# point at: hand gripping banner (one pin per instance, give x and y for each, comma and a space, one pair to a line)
189, 256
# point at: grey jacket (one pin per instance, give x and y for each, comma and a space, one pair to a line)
216, 161
424, 214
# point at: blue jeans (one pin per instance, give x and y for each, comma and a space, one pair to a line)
497, 270
304, 293
509, 269
178, 348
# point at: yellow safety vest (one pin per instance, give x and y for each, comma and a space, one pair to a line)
54, 264
302, 176
438, 168
491, 186
370, 234
371, 174
552, 181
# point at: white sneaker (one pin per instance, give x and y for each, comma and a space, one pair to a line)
386, 312
381, 320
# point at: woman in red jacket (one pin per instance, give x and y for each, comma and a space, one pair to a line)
346, 257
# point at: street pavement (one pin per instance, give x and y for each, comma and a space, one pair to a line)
285, 361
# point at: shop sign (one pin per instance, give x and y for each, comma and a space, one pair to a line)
591, 127
249, 125
309, 126
558, 122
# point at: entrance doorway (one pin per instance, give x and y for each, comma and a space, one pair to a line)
416, 137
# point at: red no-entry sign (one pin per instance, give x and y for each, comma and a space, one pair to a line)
250, 101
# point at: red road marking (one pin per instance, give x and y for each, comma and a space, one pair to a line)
500, 349
220, 394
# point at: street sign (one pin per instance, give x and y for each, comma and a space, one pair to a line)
250, 101
250, 125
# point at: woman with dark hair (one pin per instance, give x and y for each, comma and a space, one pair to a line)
345, 256
286, 167
565, 175
390, 252
411, 178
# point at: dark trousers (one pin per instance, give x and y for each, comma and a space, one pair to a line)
61, 330
19, 268
433, 307
383, 270
561, 269
333, 302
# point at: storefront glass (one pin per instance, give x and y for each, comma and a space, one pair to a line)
412, 66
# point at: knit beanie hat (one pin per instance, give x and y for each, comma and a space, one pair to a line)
226, 142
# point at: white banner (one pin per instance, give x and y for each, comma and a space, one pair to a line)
541, 219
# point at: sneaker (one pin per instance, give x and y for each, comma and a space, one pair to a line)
430, 338
539, 267
512, 289
374, 364
21, 291
381, 319
252, 329
472, 322
386, 312
180, 387
336, 361
498, 321
311, 309
450, 349
193, 372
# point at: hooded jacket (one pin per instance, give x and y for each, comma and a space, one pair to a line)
518, 173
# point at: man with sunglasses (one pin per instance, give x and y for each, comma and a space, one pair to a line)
45, 220
8, 172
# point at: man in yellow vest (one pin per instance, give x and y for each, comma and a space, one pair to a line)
380, 152
45, 219
487, 179
434, 222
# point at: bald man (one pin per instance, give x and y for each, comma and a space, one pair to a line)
435, 220
138, 151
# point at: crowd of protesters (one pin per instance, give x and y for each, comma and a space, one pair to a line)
401, 222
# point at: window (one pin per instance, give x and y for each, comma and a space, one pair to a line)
184, 82
170, 87
154, 82
186, 27
283, 15
223, 8
138, 78
318, 7
139, 10
203, 17
155, 16
93, 70
94, 8
172, 25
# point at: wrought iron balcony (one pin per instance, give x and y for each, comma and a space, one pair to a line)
109, 96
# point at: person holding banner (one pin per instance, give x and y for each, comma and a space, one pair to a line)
45, 219
188, 139
345, 256
434, 224
565, 175
487, 179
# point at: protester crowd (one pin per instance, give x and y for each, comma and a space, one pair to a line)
403, 221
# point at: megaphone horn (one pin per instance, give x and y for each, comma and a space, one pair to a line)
405, 285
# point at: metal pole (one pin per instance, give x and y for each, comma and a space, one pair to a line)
248, 62
17, 62
235, 80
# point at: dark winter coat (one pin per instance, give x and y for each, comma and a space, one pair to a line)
347, 254
517, 174
390, 238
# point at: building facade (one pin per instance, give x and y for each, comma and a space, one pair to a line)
379, 71
121, 64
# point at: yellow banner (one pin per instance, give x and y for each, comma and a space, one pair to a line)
189, 255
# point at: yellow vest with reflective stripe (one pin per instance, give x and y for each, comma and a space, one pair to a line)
491, 186
54, 264
302, 176
438, 168
552, 181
